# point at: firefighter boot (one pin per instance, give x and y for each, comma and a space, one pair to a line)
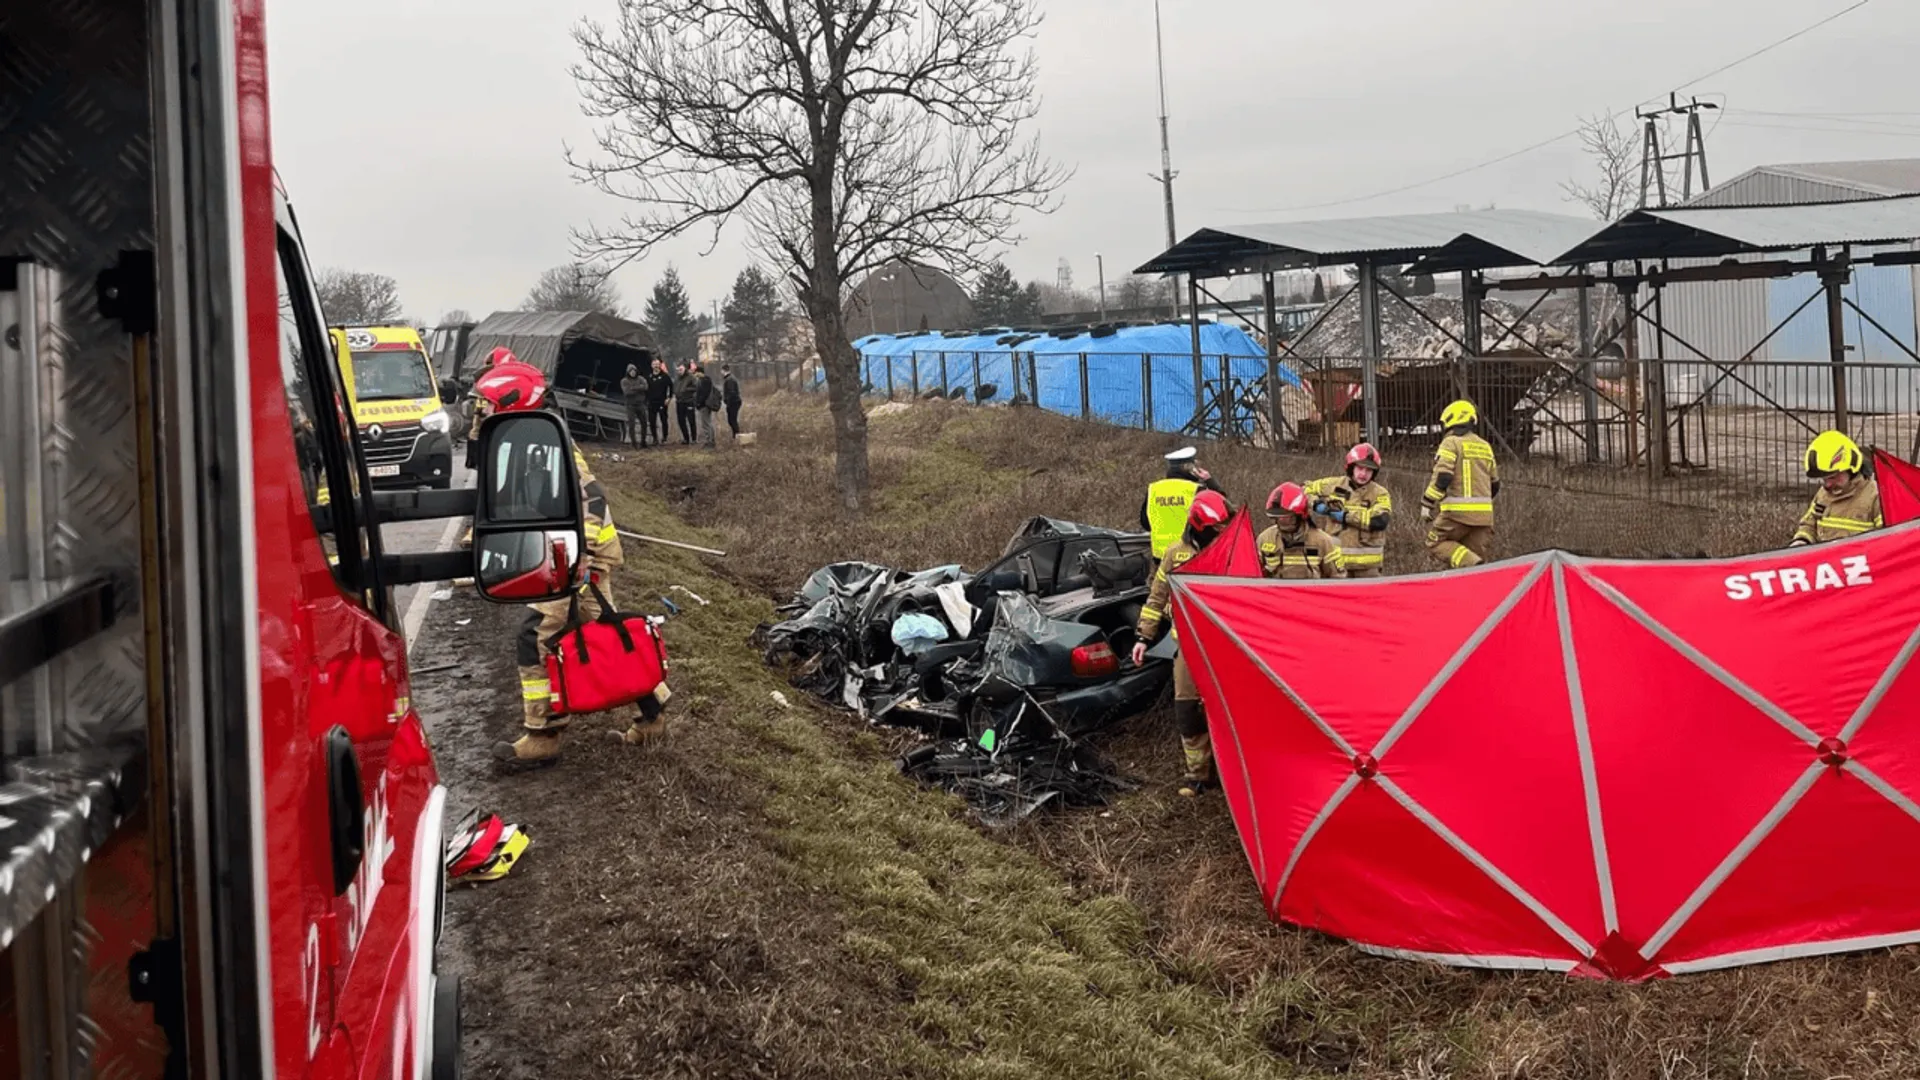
1195, 746
532, 750
652, 721
540, 744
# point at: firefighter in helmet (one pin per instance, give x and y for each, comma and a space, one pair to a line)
1293, 548
481, 410
1206, 520
512, 386
1163, 514
1458, 504
1355, 509
1847, 503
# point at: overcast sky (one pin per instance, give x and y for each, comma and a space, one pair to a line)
423, 139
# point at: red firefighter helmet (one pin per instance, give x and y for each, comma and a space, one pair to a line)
499, 353
511, 385
1207, 511
1288, 498
1363, 454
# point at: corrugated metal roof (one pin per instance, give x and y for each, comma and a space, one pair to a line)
1822, 181
537, 337
1711, 232
1529, 234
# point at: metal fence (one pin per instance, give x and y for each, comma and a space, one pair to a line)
1674, 431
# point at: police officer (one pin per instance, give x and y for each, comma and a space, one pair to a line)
1355, 509
1206, 519
1293, 548
1163, 514
1458, 504
1847, 503
510, 385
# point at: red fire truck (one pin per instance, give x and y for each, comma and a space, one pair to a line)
221, 827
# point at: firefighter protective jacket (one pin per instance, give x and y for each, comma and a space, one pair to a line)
1160, 593
1854, 510
1305, 554
603, 540
1465, 479
1363, 536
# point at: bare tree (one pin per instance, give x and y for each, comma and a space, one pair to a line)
575, 287
456, 317
1615, 153
357, 298
843, 134
1138, 292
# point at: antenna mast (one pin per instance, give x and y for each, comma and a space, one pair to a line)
1166, 156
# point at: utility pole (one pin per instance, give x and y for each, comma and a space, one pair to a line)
1653, 163
1100, 270
1166, 155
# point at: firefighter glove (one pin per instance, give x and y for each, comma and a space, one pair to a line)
1426, 512
1798, 541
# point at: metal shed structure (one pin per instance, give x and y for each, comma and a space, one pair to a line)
583, 355
1649, 252
1493, 237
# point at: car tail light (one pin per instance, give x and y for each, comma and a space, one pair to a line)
1095, 661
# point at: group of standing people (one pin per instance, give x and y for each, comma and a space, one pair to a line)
696, 398
1334, 527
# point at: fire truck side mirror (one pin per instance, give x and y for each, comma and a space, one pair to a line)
528, 533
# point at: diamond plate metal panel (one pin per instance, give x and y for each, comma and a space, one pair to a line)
76, 190
74, 130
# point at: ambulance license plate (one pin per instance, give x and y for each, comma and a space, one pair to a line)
384, 470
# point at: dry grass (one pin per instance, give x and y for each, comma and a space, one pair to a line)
1131, 943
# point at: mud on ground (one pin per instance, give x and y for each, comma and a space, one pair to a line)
650, 930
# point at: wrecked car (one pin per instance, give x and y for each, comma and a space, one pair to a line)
1014, 663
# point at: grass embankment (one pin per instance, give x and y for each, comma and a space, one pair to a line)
1131, 943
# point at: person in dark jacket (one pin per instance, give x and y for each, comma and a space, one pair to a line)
659, 392
633, 389
685, 389
730, 396
706, 399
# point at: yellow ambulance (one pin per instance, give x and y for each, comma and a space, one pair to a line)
405, 432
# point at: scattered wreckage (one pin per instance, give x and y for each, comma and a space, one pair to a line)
1007, 670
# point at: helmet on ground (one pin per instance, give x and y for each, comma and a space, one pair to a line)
1458, 413
1833, 452
512, 386
1363, 454
1287, 499
486, 851
1207, 511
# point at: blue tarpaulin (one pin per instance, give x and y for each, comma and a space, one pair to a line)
1117, 368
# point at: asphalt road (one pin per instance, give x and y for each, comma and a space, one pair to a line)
419, 538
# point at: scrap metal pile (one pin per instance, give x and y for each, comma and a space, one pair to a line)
1006, 670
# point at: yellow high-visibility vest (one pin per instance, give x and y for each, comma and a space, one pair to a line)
1167, 502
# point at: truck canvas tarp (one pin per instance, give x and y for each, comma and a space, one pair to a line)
1010, 668
583, 354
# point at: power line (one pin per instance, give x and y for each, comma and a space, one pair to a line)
1544, 143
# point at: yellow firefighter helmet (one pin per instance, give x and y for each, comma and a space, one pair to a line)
1833, 452
1459, 413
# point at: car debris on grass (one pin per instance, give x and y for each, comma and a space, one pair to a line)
1007, 670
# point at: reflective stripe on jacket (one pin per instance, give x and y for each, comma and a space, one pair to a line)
1160, 593
1855, 509
1469, 498
1167, 502
1305, 554
1360, 543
